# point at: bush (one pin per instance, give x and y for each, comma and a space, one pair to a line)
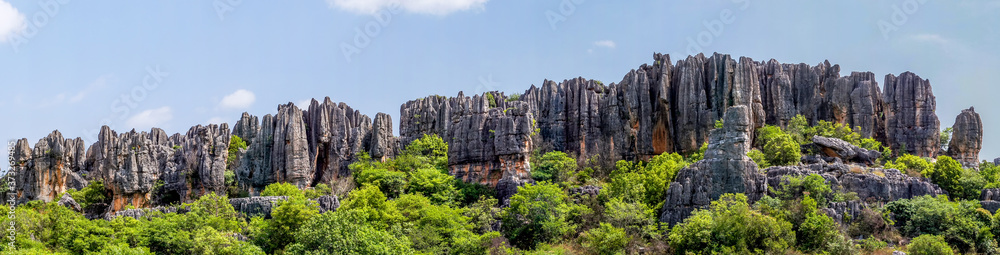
235, 144
429, 149
635, 218
319, 190
946, 174
779, 148
964, 224
812, 185
433, 184
911, 165
287, 218
346, 232
555, 167
282, 189
537, 213
929, 245
729, 226
758, 157
820, 234
392, 183
431, 228
469, 193
94, 192
606, 239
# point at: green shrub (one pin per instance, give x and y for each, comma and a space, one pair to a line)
758, 157
730, 226
235, 144
929, 245
964, 224
282, 189
555, 167
346, 232
434, 184
537, 213
820, 234
911, 165
606, 239
812, 185
946, 174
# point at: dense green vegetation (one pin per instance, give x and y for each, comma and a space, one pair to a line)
409, 204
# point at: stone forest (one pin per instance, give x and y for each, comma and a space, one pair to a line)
701, 155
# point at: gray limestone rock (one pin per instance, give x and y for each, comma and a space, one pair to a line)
833, 147
967, 138
67, 201
910, 118
725, 169
328, 203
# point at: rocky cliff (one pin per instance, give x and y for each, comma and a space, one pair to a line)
725, 169
665, 106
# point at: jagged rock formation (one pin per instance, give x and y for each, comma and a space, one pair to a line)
847, 152
967, 138
256, 206
871, 184
130, 165
68, 201
725, 169
844, 212
910, 118
310, 147
52, 167
988, 198
328, 203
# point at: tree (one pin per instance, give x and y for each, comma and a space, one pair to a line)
372, 204
537, 213
235, 145
911, 165
431, 149
321, 189
282, 189
929, 245
431, 228
812, 185
729, 226
433, 184
819, 233
287, 218
782, 150
964, 224
606, 239
554, 166
946, 138
946, 173
758, 157
635, 218
346, 232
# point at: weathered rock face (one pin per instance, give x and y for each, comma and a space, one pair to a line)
328, 203
68, 201
871, 184
130, 165
52, 167
725, 169
910, 118
491, 145
847, 152
312, 146
256, 206
988, 198
967, 138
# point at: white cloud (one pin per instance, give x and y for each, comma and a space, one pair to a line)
11, 21
100, 83
433, 7
304, 104
931, 38
237, 100
150, 118
605, 43
216, 120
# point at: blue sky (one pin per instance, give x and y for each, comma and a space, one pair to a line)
75, 65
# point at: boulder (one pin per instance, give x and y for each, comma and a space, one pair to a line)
833, 147
870, 184
68, 201
725, 169
967, 138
